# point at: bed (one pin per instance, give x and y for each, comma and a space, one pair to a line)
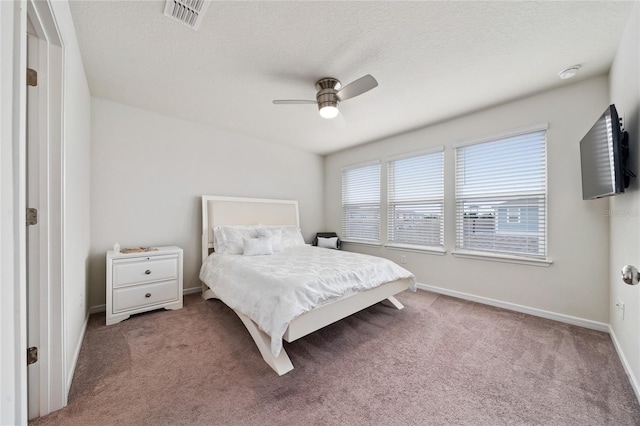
303, 316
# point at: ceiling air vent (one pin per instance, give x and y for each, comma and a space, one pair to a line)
189, 12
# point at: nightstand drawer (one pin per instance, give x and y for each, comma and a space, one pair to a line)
144, 295
135, 271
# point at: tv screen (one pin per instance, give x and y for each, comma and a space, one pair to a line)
603, 152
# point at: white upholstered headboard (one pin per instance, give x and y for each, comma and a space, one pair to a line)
217, 211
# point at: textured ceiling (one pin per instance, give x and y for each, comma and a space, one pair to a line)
433, 60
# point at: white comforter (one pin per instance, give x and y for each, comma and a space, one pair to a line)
273, 290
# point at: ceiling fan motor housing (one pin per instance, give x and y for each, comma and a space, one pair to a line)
327, 92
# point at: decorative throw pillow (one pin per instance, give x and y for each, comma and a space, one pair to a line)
257, 246
331, 242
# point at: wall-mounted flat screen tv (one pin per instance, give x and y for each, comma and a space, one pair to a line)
603, 155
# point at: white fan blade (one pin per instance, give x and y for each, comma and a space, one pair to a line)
293, 102
357, 87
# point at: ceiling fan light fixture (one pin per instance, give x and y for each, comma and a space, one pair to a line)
331, 93
329, 111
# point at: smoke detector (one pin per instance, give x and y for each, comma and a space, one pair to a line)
189, 12
569, 72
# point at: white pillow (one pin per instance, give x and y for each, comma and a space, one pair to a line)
217, 240
230, 238
291, 236
275, 234
328, 242
257, 246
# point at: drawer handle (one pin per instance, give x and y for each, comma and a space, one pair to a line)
148, 271
147, 295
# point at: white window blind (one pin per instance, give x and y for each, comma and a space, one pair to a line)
416, 200
361, 203
501, 196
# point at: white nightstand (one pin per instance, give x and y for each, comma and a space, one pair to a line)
140, 282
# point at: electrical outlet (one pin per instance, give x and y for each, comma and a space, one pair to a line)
403, 259
620, 308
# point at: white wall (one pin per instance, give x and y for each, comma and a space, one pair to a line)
76, 195
576, 284
625, 221
149, 170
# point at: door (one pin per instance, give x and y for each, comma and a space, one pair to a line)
33, 231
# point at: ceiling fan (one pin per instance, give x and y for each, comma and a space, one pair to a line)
331, 93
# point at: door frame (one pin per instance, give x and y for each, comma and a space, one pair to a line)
13, 313
52, 356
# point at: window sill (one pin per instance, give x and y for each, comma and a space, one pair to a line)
469, 254
418, 249
363, 243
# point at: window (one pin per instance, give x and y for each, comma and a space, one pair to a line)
416, 200
361, 203
501, 195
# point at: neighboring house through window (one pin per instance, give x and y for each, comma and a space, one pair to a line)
513, 214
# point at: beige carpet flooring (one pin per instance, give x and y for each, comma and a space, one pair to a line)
440, 361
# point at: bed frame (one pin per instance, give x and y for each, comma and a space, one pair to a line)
217, 211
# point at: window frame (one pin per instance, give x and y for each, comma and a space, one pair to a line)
350, 238
404, 245
513, 257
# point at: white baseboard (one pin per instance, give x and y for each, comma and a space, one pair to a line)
594, 325
625, 363
97, 309
192, 290
76, 356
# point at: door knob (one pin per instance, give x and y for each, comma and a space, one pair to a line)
630, 274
